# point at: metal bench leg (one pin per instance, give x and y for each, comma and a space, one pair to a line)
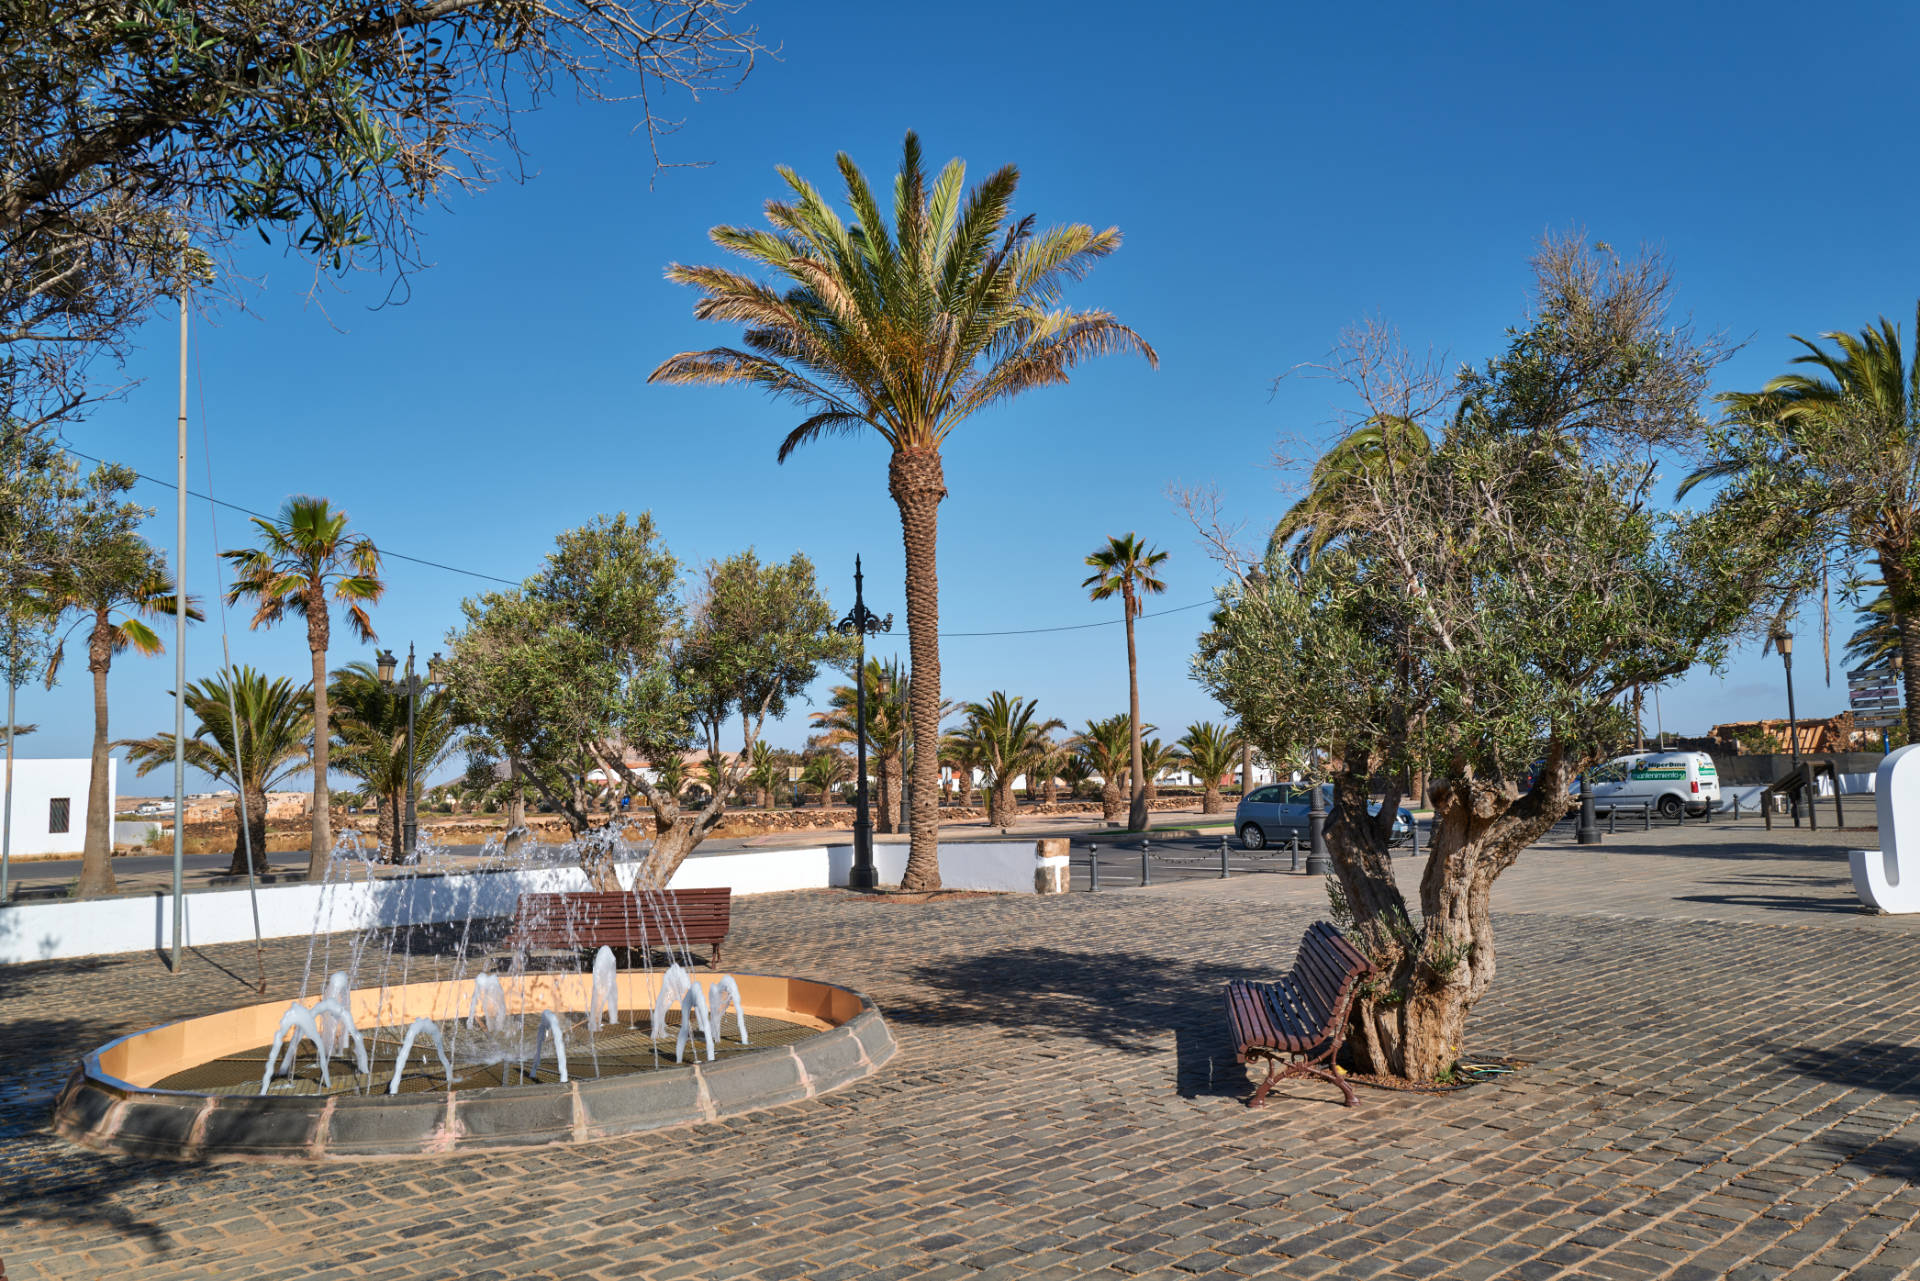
1260, 1092
1325, 1074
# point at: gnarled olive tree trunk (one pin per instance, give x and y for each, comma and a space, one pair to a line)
1411, 1016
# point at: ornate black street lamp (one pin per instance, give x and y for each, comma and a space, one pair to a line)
1783, 641
862, 622
411, 685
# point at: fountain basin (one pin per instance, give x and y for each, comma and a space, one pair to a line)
116, 1101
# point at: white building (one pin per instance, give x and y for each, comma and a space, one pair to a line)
49, 805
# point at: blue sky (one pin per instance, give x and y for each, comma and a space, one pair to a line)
1278, 173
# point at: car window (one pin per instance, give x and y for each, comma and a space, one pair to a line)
1265, 796
1611, 772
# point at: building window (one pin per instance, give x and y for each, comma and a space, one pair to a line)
59, 814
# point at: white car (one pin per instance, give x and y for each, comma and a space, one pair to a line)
1672, 783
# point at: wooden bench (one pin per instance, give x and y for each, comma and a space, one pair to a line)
1298, 1023
670, 920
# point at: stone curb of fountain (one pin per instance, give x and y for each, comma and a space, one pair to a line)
96, 1111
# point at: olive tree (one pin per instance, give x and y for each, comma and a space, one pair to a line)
142, 136
1477, 609
601, 662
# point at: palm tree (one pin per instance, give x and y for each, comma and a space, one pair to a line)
1374, 452
1876, 642
275, 725
1157, 758
964, 756
888, 725
1107, 747
826, 770
1831, 456
1050, 756
671, 774
764, 771
908, 330
111, 581
1126, 567
374, 747
1009, 738
1208, 750
305, 555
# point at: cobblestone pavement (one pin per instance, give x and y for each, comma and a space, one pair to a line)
1725, 1081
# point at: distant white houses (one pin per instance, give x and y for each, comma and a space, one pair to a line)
49, 805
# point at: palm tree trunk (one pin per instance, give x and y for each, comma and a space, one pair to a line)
386, 830
96, 857
255, 830
886, 797
1137, 810
1904, 608
916, 479
1246, 769
322, 847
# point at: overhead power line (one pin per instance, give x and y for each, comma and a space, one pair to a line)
514, 582
1079, 627
221, 502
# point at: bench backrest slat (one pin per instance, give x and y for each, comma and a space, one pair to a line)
1325, 970
700, 915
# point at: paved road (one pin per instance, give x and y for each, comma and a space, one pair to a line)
1723, 1081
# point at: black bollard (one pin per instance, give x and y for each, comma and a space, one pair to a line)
1146, 875
1093, 869
1223, 857
1293, 847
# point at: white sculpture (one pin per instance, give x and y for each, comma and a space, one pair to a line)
1889, 878
673, 984
489, 1003
549, 1026
335, 1023
721, 993
414, 1029
603, 1003
693, 1009
296, 1023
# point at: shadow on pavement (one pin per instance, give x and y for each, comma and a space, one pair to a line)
1879, 1067
1122, 1001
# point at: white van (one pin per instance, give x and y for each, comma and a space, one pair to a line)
1670, 782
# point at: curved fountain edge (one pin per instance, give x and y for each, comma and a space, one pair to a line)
96, 1110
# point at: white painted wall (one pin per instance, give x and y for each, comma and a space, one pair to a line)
1003, 867
36, 782
57, 930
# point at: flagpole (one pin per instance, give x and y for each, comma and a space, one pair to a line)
180, 641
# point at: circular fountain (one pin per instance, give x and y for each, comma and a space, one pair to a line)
468, 1064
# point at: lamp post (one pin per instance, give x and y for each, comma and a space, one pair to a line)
862, 622
385, 661
1783, 641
